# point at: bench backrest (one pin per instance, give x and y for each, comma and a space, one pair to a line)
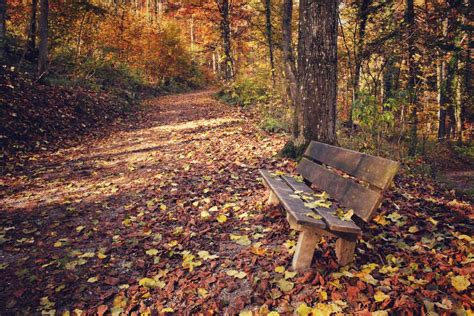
374, 173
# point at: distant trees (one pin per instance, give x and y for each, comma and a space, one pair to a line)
31, 45
3, 28
224, 10
404, 67
43, 36
269, 34
289, 66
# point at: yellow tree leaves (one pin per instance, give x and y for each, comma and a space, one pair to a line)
460, 282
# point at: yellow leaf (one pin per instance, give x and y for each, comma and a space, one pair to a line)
221, 218
344, 216
205, 214
324, 295
100, 255
464, 237
92, 280
148, 282
152, 252
413, 229
289, 274
172, 243
379, 219
285, 285
241, 240
163, 207
322, 309
460, 282
319, 203
236, 274
290, 245
206, 256
280, 269
167, 310
202, 292
273, 314
79, 228
303, 310
432, 220
380, 296
246, 313
313, 215
380, 313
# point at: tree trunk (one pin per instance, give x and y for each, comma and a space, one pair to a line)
317, 71
3, 29
268, 26
289, 60
224, 9
32, 29
389, 75
412, 74
43, 35
442, 99
362, 16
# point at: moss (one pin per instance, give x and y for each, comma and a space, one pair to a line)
291, 150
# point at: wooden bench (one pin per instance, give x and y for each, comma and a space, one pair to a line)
355, 180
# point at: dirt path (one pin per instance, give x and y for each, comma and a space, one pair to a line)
136, 190
167, 214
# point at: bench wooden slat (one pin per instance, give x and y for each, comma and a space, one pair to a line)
347, 192
333, 222
374, 170
295, 206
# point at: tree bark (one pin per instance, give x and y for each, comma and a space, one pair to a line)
43, 35
224, 10
3, 29
32, 30
317, 71
442, 98
268, 27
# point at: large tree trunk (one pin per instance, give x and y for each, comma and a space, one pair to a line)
268, 27
3, 29
362, 16
412, 74
43, 34
317, 71
224, 9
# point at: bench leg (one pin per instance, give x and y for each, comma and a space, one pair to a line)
307, 241
273, 200
345, 251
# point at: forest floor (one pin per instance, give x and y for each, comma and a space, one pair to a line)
167, 214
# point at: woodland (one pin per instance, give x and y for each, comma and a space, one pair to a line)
132, 133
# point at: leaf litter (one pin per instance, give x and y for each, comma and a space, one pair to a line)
168, 215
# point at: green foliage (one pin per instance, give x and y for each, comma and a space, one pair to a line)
244, 92
373, 116
273, 124
465, 151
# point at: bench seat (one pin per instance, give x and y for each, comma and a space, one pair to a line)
286, 189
